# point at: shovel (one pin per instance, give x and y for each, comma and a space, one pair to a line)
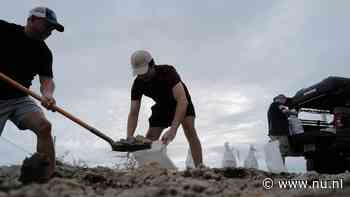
122, 145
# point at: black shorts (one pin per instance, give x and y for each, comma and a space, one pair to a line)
162, 116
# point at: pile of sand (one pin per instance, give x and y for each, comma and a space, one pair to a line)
153, 181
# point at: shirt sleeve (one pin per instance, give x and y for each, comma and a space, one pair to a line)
45, 64
173, 77
136, 92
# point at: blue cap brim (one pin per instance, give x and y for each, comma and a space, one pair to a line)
57, 26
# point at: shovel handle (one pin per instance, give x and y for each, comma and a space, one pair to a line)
56, 108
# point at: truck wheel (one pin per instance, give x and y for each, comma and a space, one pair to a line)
329, 164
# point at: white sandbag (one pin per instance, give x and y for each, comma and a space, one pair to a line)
295, 126
236, 154
273, 158
228, 159
158, 153
189, 160
251, 161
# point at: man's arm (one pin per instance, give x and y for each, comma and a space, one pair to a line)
47, 88
133, 117
181, 107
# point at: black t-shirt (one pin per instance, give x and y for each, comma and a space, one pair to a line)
277, 120
160, 87
21, 58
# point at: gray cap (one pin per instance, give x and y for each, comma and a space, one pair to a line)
139, 62
48, 14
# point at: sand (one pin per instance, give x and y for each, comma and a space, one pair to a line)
153, 181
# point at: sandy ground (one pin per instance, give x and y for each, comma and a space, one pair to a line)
153, 181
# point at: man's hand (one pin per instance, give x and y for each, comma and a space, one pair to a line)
168, 136
48, 102
131, 139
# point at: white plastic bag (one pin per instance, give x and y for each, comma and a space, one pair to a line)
273, 157
158, 153
236, 155
189, 159
228, 159
251, 161
295, 126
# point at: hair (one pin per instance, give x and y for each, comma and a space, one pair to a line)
32, 18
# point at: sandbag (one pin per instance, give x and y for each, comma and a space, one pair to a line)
295, 125
157, 153
273, 158
228, 159
251, 161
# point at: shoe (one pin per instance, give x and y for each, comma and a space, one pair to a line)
35, 169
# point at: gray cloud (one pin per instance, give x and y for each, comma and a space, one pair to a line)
233, 56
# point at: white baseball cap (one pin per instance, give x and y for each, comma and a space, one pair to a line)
49, 15
140, 62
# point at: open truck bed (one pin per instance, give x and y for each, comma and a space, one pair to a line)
325, 145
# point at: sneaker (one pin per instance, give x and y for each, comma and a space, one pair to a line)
35, 169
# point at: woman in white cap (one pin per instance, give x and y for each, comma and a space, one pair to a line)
173, 105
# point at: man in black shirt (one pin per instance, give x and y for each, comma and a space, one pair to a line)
173, 105
23, 55
278, 123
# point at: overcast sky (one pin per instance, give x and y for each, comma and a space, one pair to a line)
234, 57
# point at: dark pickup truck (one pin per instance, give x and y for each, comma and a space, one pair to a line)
325, 143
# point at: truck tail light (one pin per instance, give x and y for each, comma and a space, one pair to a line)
338, 123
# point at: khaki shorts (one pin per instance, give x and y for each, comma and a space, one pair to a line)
284, 144
15, 110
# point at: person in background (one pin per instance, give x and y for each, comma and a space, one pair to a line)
278, 124
173, 105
